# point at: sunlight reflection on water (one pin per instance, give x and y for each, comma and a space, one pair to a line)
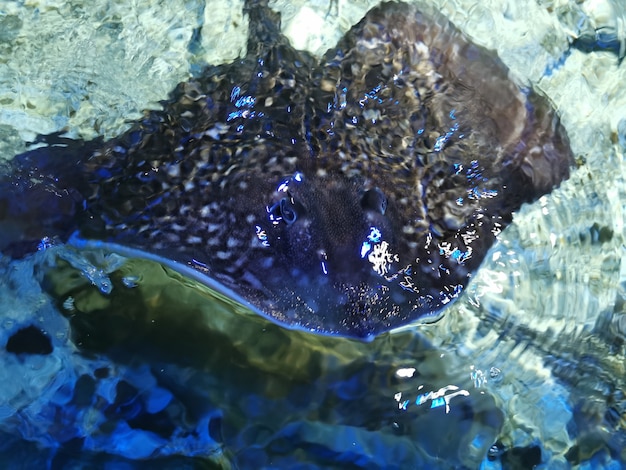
537, 341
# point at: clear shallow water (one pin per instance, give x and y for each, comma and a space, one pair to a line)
157, 369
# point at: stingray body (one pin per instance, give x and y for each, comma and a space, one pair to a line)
345, 195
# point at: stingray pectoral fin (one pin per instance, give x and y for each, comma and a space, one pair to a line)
189, 270
406, 87
546, 158
31, 211
40, 194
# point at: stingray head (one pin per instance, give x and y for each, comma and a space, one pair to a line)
330, 257
327, 226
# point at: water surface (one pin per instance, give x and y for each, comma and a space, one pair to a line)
526, 368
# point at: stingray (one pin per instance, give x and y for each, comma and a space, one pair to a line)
344, 195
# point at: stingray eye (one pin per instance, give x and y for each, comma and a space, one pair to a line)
374, 200
276, 212
288, 211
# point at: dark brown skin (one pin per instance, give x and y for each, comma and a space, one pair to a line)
348, 196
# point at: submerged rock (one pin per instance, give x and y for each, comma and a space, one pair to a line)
29, 340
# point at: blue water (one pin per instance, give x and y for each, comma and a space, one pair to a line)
525, 370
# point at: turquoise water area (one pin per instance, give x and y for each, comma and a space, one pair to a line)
142, 368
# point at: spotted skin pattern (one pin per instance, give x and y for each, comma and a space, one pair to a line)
346, 195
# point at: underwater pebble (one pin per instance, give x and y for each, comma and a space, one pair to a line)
130, 281
29, 340
158, 398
